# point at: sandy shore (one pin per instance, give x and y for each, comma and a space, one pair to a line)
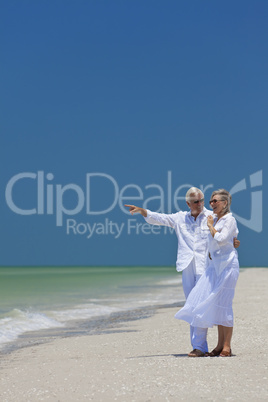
146, 360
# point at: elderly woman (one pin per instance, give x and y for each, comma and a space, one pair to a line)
210, 301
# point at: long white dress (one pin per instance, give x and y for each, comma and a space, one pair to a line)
210, 301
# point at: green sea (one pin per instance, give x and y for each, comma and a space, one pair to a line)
34, 299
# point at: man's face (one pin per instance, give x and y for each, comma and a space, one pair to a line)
196, 204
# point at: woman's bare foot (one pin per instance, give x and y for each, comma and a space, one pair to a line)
226, 352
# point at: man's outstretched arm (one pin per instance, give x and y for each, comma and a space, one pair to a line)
134, 210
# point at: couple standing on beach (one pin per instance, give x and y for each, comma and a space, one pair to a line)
209, 264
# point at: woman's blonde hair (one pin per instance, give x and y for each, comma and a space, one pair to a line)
225, 196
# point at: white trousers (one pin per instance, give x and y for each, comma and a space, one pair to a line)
198, 335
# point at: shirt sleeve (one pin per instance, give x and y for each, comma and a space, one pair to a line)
155, 218
228, 231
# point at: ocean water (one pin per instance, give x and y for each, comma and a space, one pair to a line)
43, 298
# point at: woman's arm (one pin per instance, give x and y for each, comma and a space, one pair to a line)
229, 230
210, 222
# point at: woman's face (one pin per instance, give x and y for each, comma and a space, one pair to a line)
217, 205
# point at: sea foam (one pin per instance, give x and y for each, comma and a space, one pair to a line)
17, 322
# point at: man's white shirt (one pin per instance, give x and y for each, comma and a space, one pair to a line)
192, 236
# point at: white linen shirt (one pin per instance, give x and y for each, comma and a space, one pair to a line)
221, 246
192, 236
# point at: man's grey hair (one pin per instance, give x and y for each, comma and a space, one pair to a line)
225, 196
193, 191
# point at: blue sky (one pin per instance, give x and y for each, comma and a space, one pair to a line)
144, 93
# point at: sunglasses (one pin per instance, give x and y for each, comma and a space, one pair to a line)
214, 201
197, 201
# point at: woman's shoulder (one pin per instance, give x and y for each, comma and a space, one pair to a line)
230, 217
229, 221
226, 219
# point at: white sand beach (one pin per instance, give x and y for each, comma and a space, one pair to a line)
146, 360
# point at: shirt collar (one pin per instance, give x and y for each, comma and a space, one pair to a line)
201, 213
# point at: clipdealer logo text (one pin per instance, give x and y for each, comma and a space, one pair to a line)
50, 199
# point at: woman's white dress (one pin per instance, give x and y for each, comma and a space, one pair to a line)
210, 301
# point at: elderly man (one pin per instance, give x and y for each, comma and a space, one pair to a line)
192, 232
